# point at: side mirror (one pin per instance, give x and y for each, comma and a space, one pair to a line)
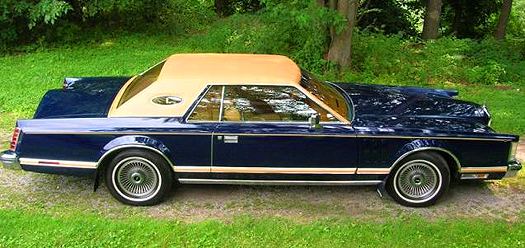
314, 122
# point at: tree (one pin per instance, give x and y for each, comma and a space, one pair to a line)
341, 45
432, 16
503, 19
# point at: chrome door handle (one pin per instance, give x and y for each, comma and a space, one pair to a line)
232, 139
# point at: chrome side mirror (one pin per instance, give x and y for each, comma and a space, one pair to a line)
314, 122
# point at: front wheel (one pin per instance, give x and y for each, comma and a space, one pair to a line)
138, 177
420, 180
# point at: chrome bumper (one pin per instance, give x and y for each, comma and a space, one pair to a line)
9, 160
513, 168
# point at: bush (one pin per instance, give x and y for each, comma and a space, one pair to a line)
392, 60
296, 29
58, 21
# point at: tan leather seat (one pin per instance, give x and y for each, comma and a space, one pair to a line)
232, 114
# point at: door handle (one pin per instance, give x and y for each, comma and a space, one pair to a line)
231, 139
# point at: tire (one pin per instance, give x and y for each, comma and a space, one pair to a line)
419, 180
139, 177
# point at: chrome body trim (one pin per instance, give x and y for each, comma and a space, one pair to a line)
58, 163
374, 171
273, 134
10, 160
427, 137
230, 139
271, 170
287, 135
274, 182
221, 106
458, 164
203, 168
114, 149
513, 168
196, 102
484, 169
478, 176
282, 170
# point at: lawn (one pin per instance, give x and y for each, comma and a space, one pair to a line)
28, 229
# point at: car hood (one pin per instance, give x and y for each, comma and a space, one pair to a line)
379, 105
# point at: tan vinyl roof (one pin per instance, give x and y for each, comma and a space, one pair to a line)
186, 75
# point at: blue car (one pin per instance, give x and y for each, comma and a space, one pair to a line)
257, 119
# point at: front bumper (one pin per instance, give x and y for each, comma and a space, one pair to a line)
9, 160
513, 168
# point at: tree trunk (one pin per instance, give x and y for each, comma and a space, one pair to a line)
332, 5
220, 7
503, 19
341, 47
320, 3
432, 16
458, 12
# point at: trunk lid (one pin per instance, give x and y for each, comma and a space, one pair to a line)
80, 98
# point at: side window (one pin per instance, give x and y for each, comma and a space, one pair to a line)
209, 107
269, 103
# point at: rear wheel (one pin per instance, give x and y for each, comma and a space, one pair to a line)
139, 177
419, 180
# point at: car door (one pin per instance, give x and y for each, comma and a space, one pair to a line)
264, 134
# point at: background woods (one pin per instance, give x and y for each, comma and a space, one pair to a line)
363, 40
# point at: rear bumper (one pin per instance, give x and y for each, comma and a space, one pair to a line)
513, 168
9, 160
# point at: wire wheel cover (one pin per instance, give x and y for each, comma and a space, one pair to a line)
418, 180
137, 177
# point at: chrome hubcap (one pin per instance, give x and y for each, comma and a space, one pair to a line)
417, 180
137, 178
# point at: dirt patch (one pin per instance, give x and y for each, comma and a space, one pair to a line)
4, 139
503, 87
521, 150
58, 195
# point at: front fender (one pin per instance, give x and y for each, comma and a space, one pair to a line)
424, 145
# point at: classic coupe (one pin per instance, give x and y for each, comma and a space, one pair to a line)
257, 119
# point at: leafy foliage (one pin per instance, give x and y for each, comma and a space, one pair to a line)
297, 29
389, 17
516, 25
470, 19
59, 21
461, 61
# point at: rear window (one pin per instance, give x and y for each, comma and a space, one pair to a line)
141, 82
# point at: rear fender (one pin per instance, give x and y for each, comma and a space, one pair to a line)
128, 142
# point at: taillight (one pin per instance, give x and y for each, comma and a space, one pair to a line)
14, 140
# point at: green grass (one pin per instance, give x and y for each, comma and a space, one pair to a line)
26, 77
26, 229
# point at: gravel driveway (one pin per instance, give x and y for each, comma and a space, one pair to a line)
53, 194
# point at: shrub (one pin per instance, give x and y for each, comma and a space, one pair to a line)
60, 21
294, 28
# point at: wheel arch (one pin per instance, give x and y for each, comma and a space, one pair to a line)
452, 160
124, 143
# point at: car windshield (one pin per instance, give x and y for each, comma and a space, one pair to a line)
327, 93
141, 82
